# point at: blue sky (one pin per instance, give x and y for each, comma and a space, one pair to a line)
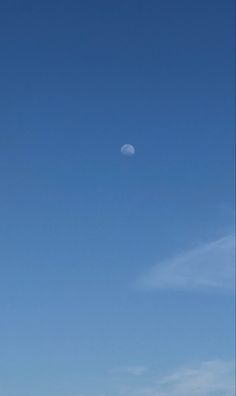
116, 273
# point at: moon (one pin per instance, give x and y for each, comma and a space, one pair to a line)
127, 150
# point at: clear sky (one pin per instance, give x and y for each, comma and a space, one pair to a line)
116, 273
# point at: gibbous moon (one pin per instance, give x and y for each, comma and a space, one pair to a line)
127, 150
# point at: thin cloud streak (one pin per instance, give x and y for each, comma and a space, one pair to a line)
210, 378
210, 266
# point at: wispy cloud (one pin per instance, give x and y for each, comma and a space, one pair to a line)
209, 266
211, 378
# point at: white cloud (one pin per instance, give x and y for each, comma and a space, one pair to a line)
212, 378
209, 266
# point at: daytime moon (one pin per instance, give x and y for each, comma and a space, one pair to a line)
127, 150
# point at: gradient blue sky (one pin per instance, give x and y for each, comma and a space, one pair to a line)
115, 272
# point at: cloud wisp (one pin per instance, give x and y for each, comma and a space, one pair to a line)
210, 378
210, 266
